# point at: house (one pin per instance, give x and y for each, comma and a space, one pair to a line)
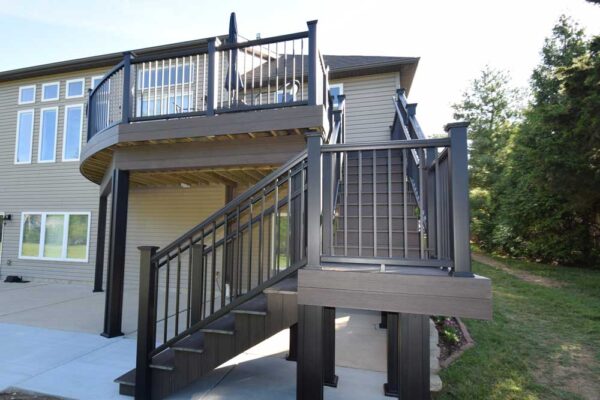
244, 187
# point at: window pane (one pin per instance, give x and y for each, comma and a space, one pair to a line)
48, 137
24, 134
53, 239
32, 224
77, 241
96, 81
72, 133
75, 89
27, 94
50, 92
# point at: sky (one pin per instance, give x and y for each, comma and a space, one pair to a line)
454, 39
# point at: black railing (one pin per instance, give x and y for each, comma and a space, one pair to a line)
281, 71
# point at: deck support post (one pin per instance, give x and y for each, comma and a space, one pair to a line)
309, 368
113, 310
459, 178
329, 376
413, 365
293, 350
100, 240
390, 388
146, 334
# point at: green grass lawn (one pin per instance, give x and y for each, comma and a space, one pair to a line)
543, 343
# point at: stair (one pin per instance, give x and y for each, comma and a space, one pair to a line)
199, 353
356, 204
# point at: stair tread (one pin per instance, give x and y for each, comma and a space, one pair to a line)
288, 285
164, 360
128, 378
193, 343
255, 306
225, 325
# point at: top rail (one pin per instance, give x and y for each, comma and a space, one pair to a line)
385, 145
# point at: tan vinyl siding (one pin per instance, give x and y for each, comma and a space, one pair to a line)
369, 107
158, 216
56, 186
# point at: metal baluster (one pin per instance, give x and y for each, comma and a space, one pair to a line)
276, 71
237, 77
175, 110
162, 88
284, 96
155, 86
250, 244
204, 272
142, 89
213, 275
222, 84
438, 210
389, 188
421, 206
245, 76
224, 261
289, 217
277, 225
404, 200
260, 237
166, 313
293, 67
196, 93
240, 249
374, 203
177, 291
302, 211
270, 247
269, 73
359, 203
169, 88
252, 68
346, 205
189, 284
204, 83
189, 106
260, 85
230, 81
302, 69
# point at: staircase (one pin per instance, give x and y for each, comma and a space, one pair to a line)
197, 354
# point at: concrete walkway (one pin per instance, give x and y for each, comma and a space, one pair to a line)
50, 343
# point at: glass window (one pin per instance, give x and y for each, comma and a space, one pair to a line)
75, 88
27, 94
72, 132
24, 136
50, 91
30, 243
55, 236
48, 125
96, 80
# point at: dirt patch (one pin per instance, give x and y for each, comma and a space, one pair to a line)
524, 276
17, 394
575, 374
454, 339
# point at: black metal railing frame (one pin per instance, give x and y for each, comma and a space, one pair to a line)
216, 67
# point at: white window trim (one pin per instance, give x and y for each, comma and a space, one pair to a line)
57, 92
32, 111
40, 135
64, 146
99, 77
21, 88
67, 96
65, 236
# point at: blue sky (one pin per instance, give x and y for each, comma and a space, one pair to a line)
454, 39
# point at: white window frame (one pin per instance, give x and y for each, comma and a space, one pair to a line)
21, 88
32, 111
57, 92
64, 146
97, 77
67, 96
42, 243
40, 135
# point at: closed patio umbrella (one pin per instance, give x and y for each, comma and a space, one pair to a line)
232, 75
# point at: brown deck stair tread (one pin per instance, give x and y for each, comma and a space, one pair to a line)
164, 360
255, 306
193, 343
289, 285
127, 378
224, 325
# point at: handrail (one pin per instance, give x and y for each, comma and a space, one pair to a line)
389, 144
107, 76
259, 42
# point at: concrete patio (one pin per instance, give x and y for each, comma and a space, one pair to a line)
51, 344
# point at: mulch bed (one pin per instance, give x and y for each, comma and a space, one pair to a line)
451, 349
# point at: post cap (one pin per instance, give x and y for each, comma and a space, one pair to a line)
458, 124
312, 22
147, 248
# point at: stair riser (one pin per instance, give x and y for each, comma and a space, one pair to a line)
250, 330
283, 311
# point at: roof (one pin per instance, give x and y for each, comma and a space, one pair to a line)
340, 66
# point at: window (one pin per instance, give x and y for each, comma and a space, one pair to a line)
24, 137
47, 139
55, 236
75, 88
27, 94
73, 124
50, 91
96, 80
334, 92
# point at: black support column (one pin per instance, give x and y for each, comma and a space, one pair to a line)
99, 272
293, 351
309, 368
390, 388
113, 311
329, 378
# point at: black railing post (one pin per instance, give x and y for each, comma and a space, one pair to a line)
315, 184
197, 284
329, 377
126, 110
88, 113
313, 60
459, 184
211, 92
146, 334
